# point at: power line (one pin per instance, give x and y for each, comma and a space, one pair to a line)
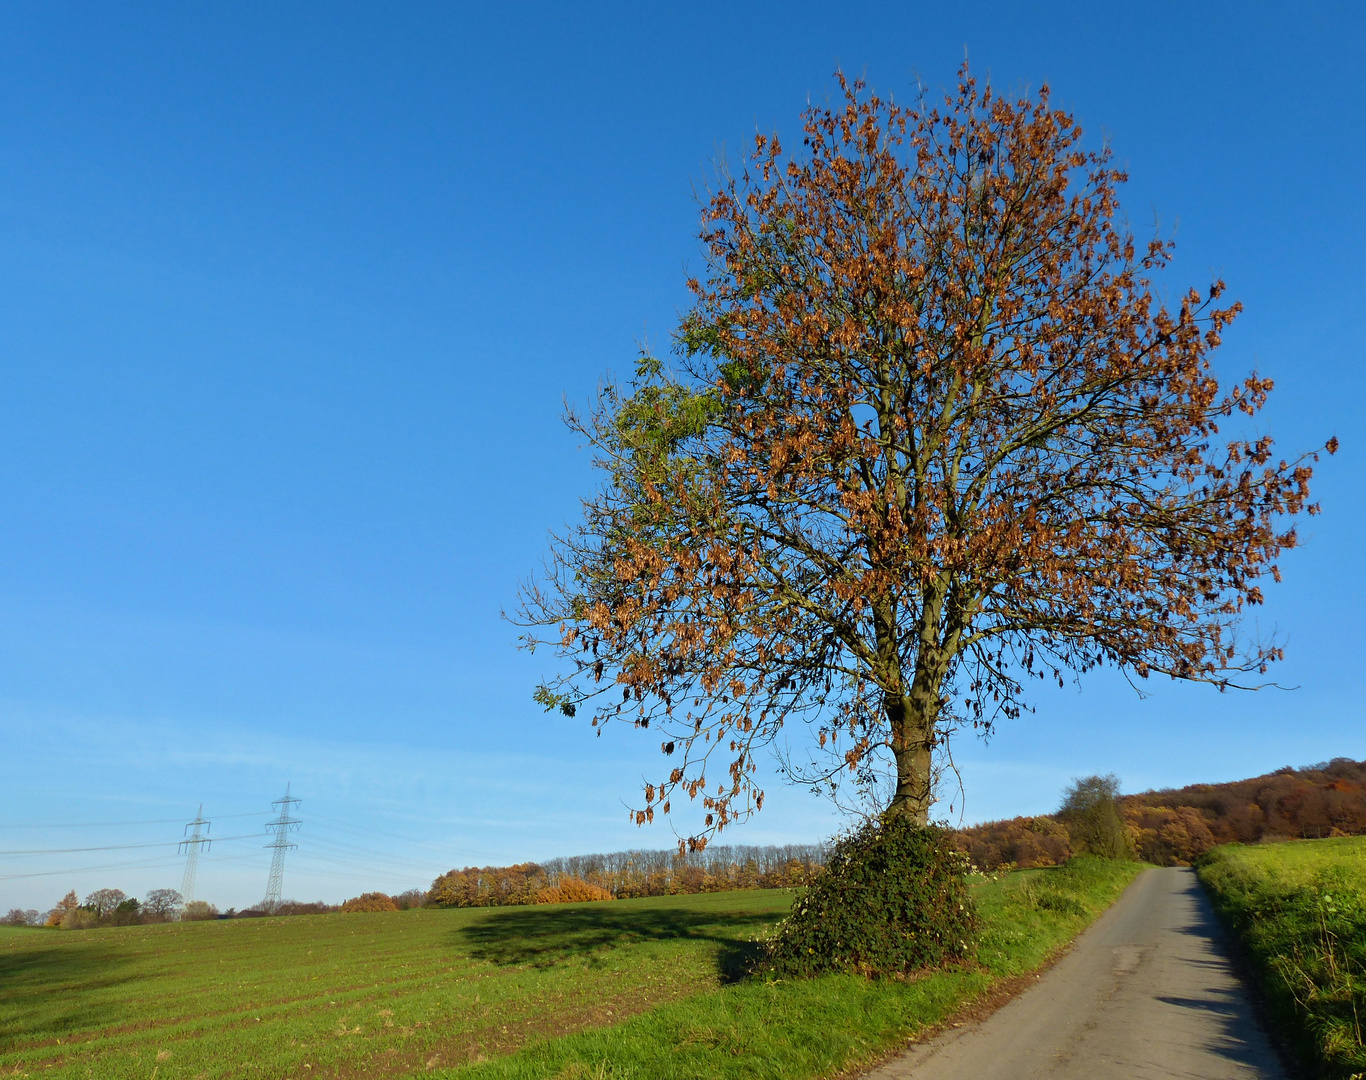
361, 830
20, 826
349, 853
359, 879
351, 872
354, 850
117, 847
93, 869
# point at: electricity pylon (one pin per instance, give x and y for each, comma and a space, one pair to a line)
190, 846
280, 828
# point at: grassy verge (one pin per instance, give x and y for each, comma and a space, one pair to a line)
823, 1026
642, 988
1299, 910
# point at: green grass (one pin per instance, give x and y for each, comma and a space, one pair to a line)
641, 988
818, 1027
1299, 909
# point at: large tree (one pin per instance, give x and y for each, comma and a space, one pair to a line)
931, 434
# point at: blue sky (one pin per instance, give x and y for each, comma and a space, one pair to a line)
289, 298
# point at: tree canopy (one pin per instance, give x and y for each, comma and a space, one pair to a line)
931, 433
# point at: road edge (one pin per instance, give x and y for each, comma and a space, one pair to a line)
993, 998
1296, 1065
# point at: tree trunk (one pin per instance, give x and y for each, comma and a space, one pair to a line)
911, 714
912, 720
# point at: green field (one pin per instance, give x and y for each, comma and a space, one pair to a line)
1299, 909
631, 988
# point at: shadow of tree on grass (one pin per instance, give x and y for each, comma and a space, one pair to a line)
36, 990
547, 935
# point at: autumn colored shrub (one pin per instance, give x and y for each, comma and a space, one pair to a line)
489, 886
198, 911
65, 904
572, 890
893, 899
371, 901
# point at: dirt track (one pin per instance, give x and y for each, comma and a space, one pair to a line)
1146, 992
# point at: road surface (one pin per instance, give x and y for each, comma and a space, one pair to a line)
1147, 992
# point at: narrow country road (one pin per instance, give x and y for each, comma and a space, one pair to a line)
1147, 992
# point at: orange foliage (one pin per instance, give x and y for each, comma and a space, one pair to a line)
1022, 842
371, 901
1174, 827
65, 906
489, 886
572, 890
1167, 836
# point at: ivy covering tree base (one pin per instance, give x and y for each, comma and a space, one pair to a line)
893, 900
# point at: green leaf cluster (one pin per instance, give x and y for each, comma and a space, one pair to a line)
654, 434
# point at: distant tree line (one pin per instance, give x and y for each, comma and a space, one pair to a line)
624, 874
113, 907
370, 901
1172, 827
105, 907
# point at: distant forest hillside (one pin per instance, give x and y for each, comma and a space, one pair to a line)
1173, 826
1169, 827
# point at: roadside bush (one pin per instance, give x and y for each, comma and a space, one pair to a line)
572, 890
197, 911
1067, 889
371, 901
893, 899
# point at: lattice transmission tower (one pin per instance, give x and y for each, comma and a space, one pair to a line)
280, 828
191, 846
